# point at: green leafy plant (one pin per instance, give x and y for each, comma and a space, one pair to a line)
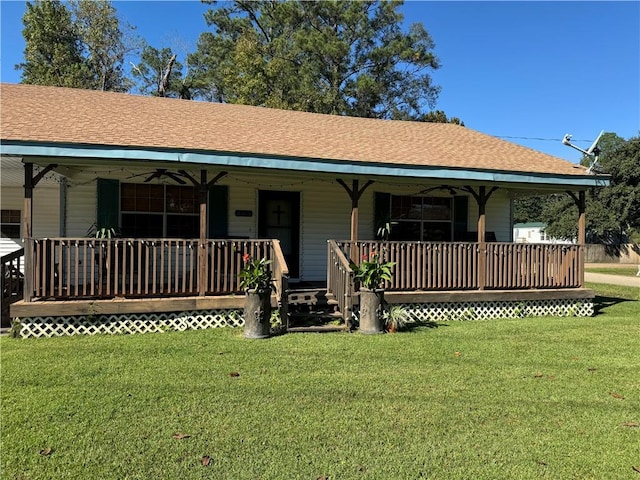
384, 231
256, 275
396, 318
103, 233
16, 328
372, 272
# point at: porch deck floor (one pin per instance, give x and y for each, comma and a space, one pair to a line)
120, 305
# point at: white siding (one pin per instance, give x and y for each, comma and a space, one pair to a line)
326, 214
498, 216
45, 209
242, 196
81, 205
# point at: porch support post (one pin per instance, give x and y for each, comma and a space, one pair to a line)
581, 203
203, 264
481, 197
203, 256
482, 246
354, 194
27, 223
26, 232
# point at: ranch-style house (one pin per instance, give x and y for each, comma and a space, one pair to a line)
123, 213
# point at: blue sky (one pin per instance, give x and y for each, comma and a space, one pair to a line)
528, 72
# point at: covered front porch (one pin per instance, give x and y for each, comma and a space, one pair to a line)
72, 282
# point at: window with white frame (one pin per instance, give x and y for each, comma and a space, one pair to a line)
157, 211
421, 218
10, 223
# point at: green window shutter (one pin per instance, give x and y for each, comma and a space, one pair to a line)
108, 205
460, 215
382, 211
218, 211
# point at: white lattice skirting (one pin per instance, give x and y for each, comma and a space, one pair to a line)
450, 311
198, 320
129, 323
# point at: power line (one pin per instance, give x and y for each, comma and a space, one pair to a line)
539, 138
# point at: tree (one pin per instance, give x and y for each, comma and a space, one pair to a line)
82, 46
53, 52
345, 58
529, 209
438, 116
103, 43
612, 212
160, 74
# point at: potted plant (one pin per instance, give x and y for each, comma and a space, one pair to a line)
372, 273
255, 279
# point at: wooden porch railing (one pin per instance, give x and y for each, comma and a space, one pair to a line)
518, 265
281, 278
12, 278
65, 268
424, 265
454, 266
340, 279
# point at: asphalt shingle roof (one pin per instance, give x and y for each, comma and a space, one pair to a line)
51, 115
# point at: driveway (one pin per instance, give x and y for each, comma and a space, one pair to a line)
612, 279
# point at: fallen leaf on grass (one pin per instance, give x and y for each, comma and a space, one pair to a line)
636, 469
234, 374
616, 395
592, 369
46, 451
540, 462
457, 354
631, 424
538, 375
181, 436
206, 460
323, 477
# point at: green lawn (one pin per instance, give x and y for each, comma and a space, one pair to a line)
555, 398
626, 271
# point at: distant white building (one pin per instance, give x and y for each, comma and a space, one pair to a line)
534, 233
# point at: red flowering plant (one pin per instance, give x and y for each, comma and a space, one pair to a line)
255, 274
372, 272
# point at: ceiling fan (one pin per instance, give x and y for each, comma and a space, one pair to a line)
162, 172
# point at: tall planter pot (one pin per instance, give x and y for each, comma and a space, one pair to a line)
371, 311
257, 314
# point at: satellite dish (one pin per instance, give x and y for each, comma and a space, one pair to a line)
593, 151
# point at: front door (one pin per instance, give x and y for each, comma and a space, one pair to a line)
279, 218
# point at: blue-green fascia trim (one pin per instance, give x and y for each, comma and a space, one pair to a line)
342, 167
